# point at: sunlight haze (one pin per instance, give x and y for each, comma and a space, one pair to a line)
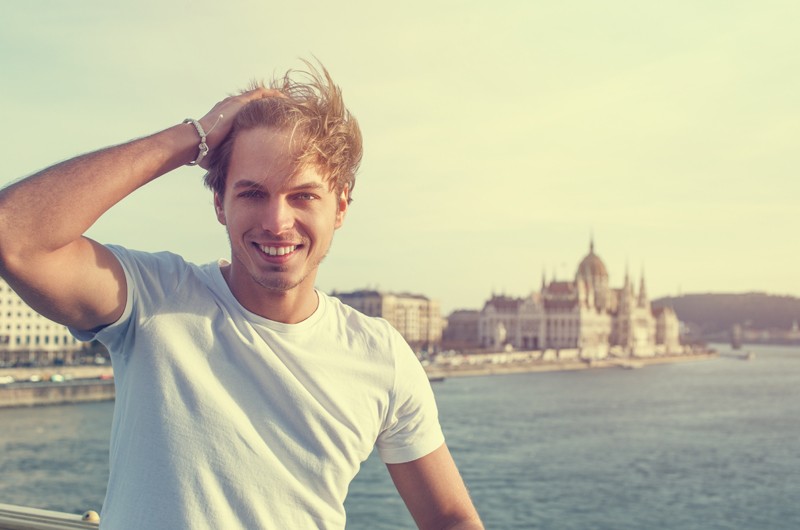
498, 139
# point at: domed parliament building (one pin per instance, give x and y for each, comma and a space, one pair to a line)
585, 314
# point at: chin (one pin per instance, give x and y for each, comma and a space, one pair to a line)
278, 284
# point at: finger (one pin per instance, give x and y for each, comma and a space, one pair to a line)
262, 92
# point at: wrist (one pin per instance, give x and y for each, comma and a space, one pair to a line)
202, 147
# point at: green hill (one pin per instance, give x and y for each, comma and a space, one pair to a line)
711, 313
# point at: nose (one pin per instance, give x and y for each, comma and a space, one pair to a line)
277, 216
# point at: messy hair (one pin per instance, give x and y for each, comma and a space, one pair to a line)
323, 133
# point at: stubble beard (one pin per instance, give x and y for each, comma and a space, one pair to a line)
276, 282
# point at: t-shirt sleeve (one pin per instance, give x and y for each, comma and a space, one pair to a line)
150, 278
411, 429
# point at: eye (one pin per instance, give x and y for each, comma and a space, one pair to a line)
251, 194
304, 196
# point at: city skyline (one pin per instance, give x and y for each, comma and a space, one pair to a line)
497, 141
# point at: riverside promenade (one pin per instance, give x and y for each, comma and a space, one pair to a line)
79, 384
521, 362
55, 385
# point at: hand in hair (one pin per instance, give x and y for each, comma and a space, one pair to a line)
218, 121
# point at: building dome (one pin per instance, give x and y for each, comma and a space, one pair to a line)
592, 267
592, 271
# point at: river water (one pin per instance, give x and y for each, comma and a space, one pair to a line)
702, 445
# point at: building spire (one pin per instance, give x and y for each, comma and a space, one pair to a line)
642, 290
643, 299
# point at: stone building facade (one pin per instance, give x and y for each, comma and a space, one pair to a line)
584, 314
416, 317
461, 332
27, 338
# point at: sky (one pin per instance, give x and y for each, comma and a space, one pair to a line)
499, 137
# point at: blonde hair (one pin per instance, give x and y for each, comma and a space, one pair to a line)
323, 132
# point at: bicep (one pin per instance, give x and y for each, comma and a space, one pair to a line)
81, 285
433, 490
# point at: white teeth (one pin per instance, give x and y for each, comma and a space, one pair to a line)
277, 251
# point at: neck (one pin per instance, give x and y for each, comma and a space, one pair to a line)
291, 306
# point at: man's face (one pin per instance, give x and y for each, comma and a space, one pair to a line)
280, 221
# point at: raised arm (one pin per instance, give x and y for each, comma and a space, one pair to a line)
434, 492
43, 253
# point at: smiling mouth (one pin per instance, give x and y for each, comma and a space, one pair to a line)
276, 250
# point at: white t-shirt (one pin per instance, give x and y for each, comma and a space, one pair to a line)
224, 419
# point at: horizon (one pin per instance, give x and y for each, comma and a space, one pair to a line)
497, 141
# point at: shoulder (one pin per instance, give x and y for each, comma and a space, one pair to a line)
372, 338
157, 274
145, 264
138, 258
357, 323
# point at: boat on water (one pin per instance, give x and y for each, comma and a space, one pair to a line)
632, 365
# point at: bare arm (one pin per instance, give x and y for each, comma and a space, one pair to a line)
434, 492
43, 253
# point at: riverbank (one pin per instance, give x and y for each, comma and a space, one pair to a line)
49, 393
55, 385
444, 370
80, 384
46, 373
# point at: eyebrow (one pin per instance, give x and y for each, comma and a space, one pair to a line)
249, 184
246, 184
308, 186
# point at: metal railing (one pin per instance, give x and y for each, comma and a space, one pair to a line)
23, 518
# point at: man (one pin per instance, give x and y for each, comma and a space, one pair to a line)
245, 398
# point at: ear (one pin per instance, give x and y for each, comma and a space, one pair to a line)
342, 204
219, 209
